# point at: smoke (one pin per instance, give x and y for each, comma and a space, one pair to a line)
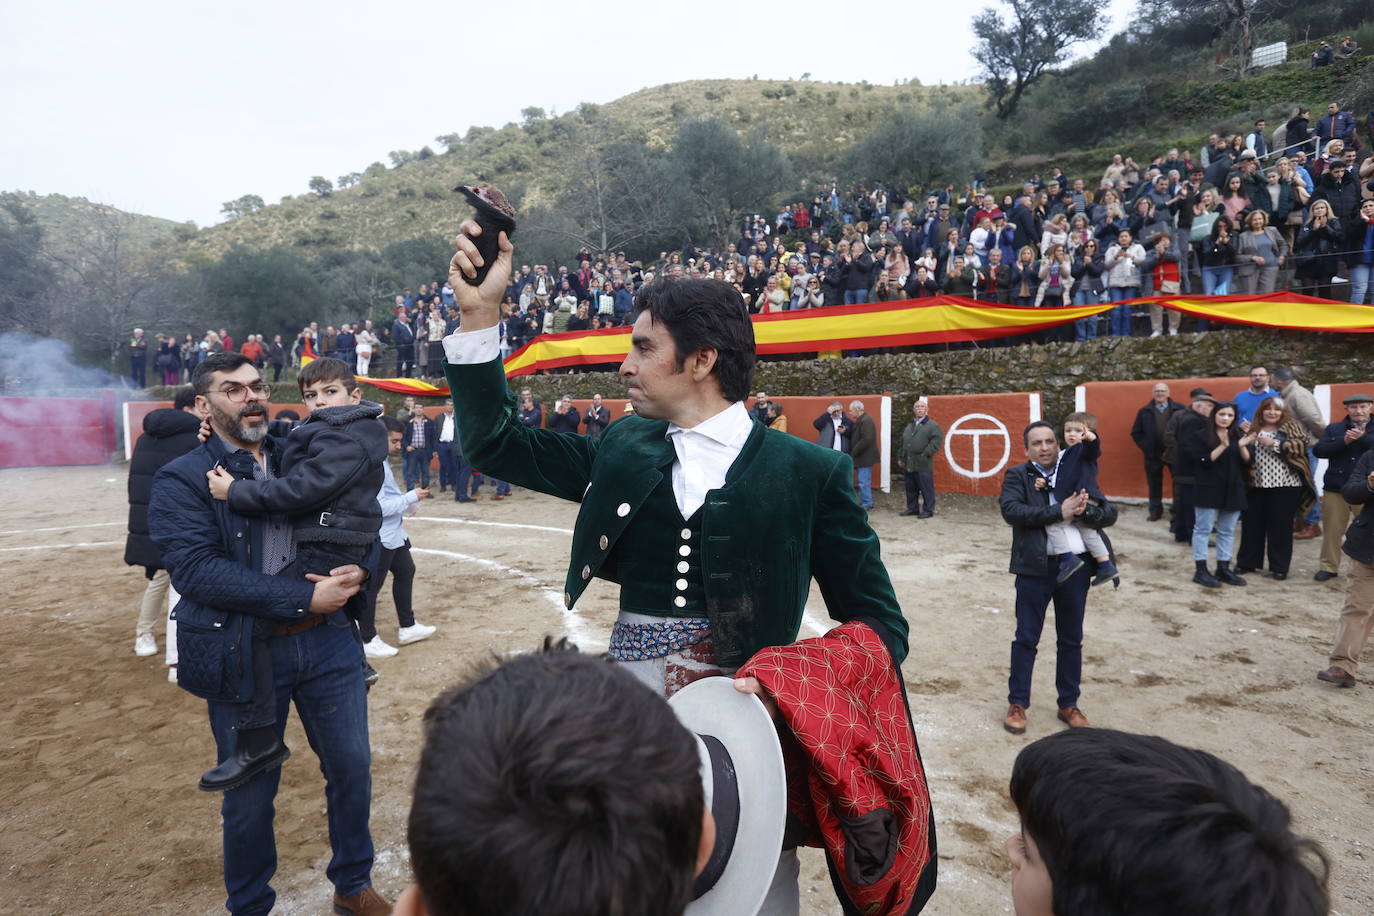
32, 365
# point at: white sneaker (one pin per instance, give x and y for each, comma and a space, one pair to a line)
414, 633
1173, 332
145, 645
375, 648
171, 674
1156, 333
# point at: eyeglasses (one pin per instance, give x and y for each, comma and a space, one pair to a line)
239, 393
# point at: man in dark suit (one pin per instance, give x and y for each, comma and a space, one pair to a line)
597, 418
1042, 531
1148, 434
403, 338
834, 428
419, 443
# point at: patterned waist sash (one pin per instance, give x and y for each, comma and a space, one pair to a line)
639, 637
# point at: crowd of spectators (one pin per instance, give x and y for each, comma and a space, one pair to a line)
1250, 213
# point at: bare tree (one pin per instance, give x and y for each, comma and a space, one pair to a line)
111, 278
614, 194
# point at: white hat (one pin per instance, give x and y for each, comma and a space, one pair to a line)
746, 789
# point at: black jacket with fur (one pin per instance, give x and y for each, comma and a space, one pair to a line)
332, 471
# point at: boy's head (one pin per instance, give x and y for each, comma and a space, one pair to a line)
560, 766
328, 382
1114, 823
395, 432
1076, 426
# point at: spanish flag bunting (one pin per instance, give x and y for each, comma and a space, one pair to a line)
946, 319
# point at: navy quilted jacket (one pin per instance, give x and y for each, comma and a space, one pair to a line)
211, 554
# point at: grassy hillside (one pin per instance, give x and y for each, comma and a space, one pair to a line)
66, 220
812, 121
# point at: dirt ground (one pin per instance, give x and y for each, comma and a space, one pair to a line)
99, 755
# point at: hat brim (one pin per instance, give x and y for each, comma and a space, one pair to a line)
712, 706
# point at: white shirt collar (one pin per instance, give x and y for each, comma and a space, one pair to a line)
730, 427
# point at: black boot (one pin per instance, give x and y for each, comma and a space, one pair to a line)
1203, 577
1224, 573
256, 750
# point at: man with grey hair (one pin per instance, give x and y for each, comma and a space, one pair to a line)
1148, 434
834, 428
1302, 406
921, 441
863, 448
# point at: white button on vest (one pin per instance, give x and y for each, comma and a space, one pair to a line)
586, 572
684, 550
681, 585
686, 534
680, 601
604, 542
622, 510
682, 566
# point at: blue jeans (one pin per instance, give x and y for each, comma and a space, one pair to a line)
866, 486
446, 465
1121, 315
416, 468
1225, 521
1213, 277
321, 670
1085, 328
502, 488
1033, 596
462, 478
1359, 282
855, 296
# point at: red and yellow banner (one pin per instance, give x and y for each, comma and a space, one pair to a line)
945, 319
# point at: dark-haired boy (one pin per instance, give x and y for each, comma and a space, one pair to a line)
331, 474
1115, 824
555, 783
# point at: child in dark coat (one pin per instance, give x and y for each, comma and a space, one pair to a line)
1078, 471
332, 470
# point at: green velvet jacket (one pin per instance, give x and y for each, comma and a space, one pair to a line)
787, 512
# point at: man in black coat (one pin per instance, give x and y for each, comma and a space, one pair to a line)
168, 433
1148, 434
1042, 531
403, 338
566, 418
1358, 613
834, 427
1342, 445
1182, 427
1341, 189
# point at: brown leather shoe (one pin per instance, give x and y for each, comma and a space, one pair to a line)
1073, 717
1338, 676
1307, 532
366, 902
1015, 722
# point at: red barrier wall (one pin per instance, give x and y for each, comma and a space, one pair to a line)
1121, 471
982, 438
50, 432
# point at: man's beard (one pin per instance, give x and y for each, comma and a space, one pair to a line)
240, 432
